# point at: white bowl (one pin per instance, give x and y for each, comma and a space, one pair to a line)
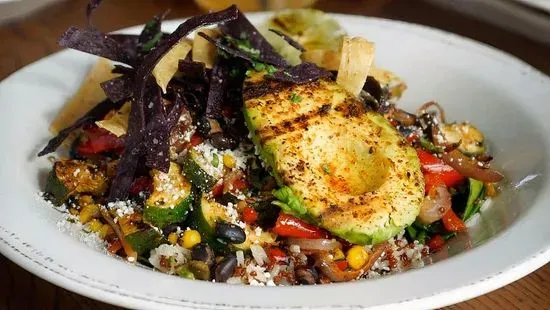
506, 98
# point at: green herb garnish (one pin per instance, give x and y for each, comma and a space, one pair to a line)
295, 98
326, 168
215, 160
148, 46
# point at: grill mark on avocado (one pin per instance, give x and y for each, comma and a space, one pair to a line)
256, 90
287, 126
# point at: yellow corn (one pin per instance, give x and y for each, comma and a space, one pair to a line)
190, 238
106, 230
357, 257
89, 212
95, 225
338, 254
173, 238
229, 161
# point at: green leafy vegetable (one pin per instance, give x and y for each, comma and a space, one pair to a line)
427, 145
474, 199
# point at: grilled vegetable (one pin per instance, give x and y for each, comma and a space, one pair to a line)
171, 198
145, 240
469, 137
71, 177
196, 170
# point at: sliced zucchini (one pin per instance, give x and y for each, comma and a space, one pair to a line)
206, 214
196, 170
144, 240
171, 198
209, 213
71, 177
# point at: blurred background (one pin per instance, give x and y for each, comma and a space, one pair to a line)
29, 30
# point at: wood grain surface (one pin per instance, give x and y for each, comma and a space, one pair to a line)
34, 37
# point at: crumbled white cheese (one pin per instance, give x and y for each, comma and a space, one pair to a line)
122, 208
176, 254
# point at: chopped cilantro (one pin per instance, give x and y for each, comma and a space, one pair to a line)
271, 69
326, 168
259, 66
295, 98
215, 160
147, 46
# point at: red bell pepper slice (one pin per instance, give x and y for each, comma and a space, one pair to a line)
196, 140
290, 226
276, 255
98, 140
249, 215
452, 222
436, 171
436, 243
342, 265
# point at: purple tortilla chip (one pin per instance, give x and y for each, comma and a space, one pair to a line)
178, 107
156, 140
226, 48
303, 73
119, 88
193, 69
95, 43
128, 42
218, 85
92, 5
289, 40
95, 114
130, 158
241, 28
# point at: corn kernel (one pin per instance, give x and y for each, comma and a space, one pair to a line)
95, 225
357, 257
229, 161
338, 254
89, 212
106, 230
173, 238
190, 238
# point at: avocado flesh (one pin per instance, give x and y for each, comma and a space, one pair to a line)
339, 166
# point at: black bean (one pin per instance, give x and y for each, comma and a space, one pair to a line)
171, 228
203, 126
223, 142
225, 268
230, 233
203, 252
307, 276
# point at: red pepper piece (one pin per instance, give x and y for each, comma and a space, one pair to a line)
276, 255
436, 243
196, 140
342, 265
436, 171
452, 222
290, 226
250, 216
98, 140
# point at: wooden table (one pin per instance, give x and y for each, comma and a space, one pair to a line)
27, 40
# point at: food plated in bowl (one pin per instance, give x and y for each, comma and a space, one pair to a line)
238, 157
330, 172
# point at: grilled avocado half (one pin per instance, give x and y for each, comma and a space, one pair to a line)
339, 165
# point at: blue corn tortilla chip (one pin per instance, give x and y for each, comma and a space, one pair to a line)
90, 8
242, 29
156, 137
235, 52
193, 69
129, 161
95, 43
288, 39
95, 114
218, 85
119, 88
303, 73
